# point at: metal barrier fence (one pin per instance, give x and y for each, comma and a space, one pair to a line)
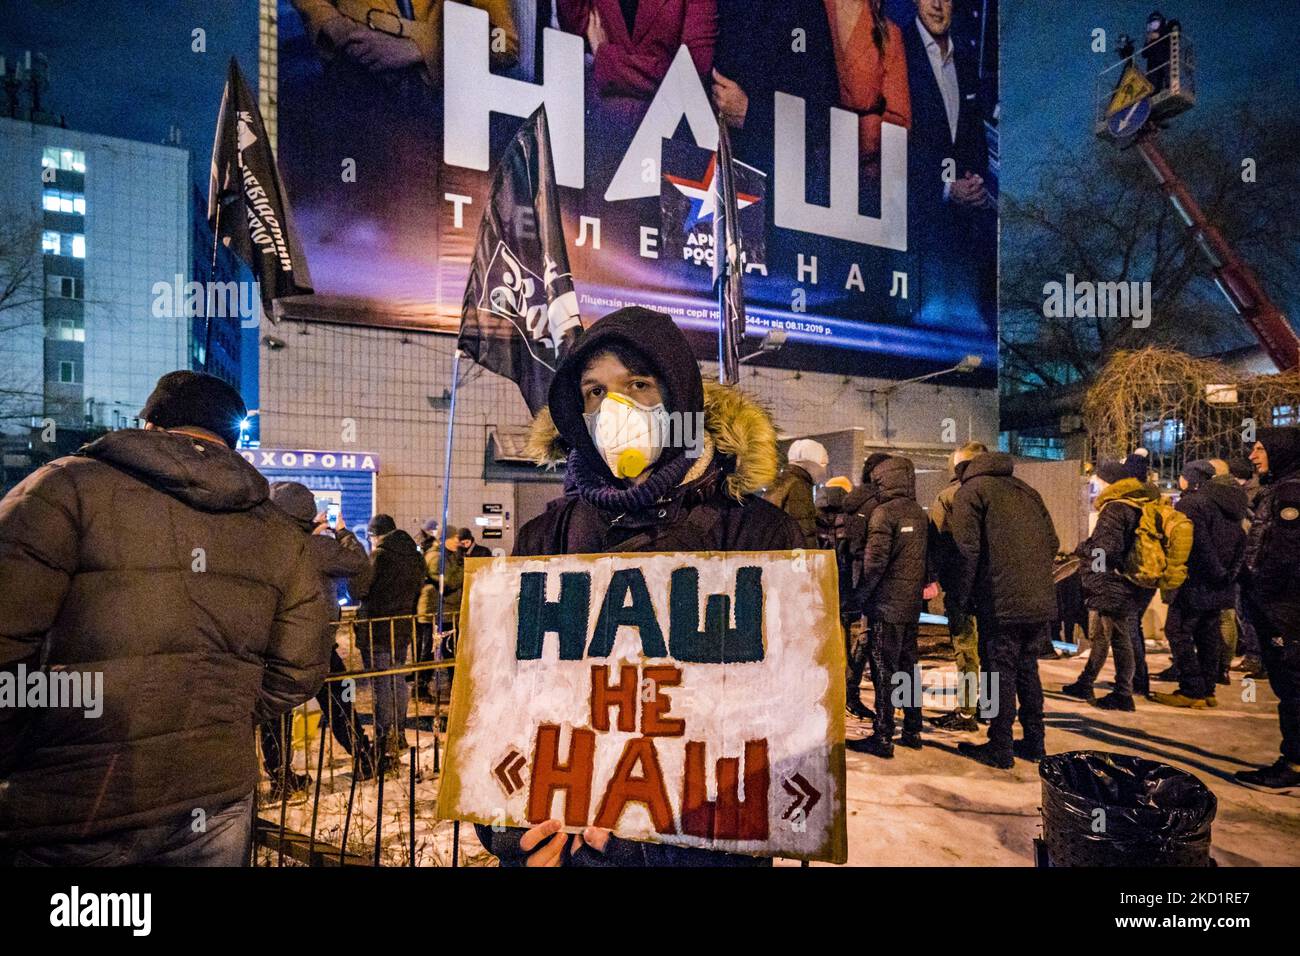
333, 811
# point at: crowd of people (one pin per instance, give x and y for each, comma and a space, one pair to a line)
408, 592
222, 616
1221, 558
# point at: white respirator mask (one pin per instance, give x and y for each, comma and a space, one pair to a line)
629, 436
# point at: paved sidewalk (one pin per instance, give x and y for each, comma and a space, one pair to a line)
934, 807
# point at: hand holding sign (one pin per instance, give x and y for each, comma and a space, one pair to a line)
613, 694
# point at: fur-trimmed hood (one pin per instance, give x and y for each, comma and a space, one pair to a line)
738, 427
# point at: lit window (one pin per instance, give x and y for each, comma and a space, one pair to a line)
55, 201
71, 331
50, 243
74, 160
1285, 415
78, 246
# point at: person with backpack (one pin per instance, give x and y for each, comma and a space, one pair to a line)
962, 629
1194, 626
1122, 565
893, 577
792, 491
1138, 465
1272, 592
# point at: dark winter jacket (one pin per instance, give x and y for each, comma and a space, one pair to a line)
1006, 543
337, 558
158, 561
1273, 549
1102, 555
848, 538
1218, 546
857, 507
893, 563
715, 508
792, 492
829, 516
391, 586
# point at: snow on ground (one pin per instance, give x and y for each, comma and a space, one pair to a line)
923, 808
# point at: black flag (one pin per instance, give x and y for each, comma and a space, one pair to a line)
728, 269
248, 209
520, 313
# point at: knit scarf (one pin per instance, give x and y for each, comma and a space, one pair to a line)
582, 479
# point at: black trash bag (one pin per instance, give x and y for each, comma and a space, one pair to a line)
1152, 814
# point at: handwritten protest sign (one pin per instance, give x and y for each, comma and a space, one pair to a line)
694, 699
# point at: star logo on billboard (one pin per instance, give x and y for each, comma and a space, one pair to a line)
702, 195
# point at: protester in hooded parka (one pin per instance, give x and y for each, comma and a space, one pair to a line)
629, 488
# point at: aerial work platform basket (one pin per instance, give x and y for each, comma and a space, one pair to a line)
1154, 84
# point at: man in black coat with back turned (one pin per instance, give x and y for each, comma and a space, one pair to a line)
893, 577
1006, 545
390, 588
1194, 625
1271, 591
153, 561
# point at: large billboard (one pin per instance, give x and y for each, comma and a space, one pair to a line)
863, 133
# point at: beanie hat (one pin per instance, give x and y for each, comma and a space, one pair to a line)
1138, 465
381, 525
198, 399
295, 500
1198, 471
1113, 471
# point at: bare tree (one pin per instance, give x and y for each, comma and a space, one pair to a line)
22, 293
1098, 214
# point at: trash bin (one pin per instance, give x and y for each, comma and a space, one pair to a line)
1105, 809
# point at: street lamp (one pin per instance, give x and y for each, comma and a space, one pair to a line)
967, 365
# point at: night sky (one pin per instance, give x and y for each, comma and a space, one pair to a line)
125, 67
1245, 51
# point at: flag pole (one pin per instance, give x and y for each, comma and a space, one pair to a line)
723, 282
446, 491
207, 299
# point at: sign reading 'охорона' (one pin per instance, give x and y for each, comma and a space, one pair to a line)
695, 699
